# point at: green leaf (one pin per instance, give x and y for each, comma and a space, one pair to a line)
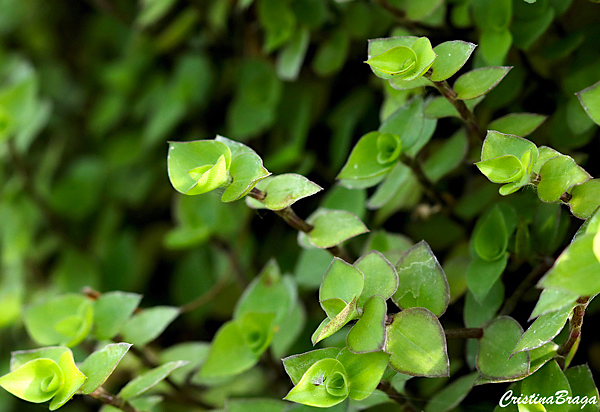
101, 364
399, 174
195, 353
499, 144
479, 82
342, 280
331, 54
36, 381
540, 356
582, 385
585, 198
519, 124
111, 312
400, 84
590, 100
152, 11
285, 190
290, 329
202, 158
494, 45
332, 227
477, 313
490, 236
63, 320
395, 61
544, 329
267, 293
494, 359
145, 326
447, 157
503, 169
559, 175
405, 58
546, 153
245, 171
552, 300
256, 405
439, 107
291, 57
278, 20
576, 269
422, 281
417, 344
451, 57
297, 365
483, 274
419, 10
327, 329
324, 384
368, 334
363, 162
364, 371
408, 123
546, 382
452, 395
147, 380
310, 266
380, 276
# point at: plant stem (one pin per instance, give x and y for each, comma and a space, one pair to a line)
464, 333
574, 327
292, 219
536, 272
473, 130
107, 398
397, 397
425, 182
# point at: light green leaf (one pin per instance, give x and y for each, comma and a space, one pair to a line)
368, 334
546, 153
590, 100
63, 320
494, 359
380, 276
147, 380
395, 61
422, 281
342, 280
546, 382
245, 171
519, 124
289, 330
439, 107
479, 81
559, 175
452, 395
387, 189
332, 227
297, 365
101, 364
576, 269
195, 353
364, 371
324, 384
544, 329
36, 381
585, 198
291, 57
494, 45
145, 326
451, 57
198, 156
111, 312
327, 329
400, 84
363, 160
582, 385
499, 144
417, 344
285, 190
408, 123
503, 169
152, 11
490, 236
552, 300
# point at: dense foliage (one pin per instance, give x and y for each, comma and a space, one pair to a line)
439, 157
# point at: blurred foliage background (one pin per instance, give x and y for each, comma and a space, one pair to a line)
91, 91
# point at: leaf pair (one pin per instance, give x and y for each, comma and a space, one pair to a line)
204, 165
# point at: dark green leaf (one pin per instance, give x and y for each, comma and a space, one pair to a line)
544, 329
479, 81
546, 382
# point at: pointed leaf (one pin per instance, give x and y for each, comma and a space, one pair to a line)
439, 107
338, 322
363, 160
499, 144
552, 300
478, 313
451, 57
559, 175
422, 281
332, 227
479, 81
149, 379
483, 274
111, 312
417, 344
380, 276
368, 334
245, 171
285, 190
452, 395
590, 100
101, 364
582, 385
494, 359
324, 384
519, 124
544, 329
546, 382
145, 326
503, 169
585, 198
364, 371
297, 365
342, 280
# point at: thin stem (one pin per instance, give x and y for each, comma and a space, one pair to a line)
473, 130
107, 398
397, 397
511, 303
292, 219
574, 327
464, 333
